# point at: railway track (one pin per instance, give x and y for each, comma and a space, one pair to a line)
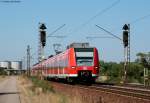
137, 86
127, 91
138, 93
113, 92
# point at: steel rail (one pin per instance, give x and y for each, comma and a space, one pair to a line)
132, 93
125, 92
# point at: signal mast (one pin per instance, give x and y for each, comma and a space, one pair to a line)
42, 41
126, 42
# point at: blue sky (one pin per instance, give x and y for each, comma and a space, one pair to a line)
19, 26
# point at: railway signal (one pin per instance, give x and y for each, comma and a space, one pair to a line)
125, 38
43, 37
42, 41
42, 34
125, 35
126, 42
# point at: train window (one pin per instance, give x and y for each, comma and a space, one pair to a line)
84, 61
84, 56
63, 63
66, 62
84, 49
50, 65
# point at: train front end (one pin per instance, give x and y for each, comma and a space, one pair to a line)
84, 63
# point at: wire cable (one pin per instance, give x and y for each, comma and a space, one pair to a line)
93, 37
10, 1
139, 19
56, 30
101, 12
108, 32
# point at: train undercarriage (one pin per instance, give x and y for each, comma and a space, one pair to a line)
82, 77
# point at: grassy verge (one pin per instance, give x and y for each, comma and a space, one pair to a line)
33, 90
44, 85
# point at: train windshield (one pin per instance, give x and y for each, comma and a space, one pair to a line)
84, 56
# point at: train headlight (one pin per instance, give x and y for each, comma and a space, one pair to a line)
96, 67
73, 67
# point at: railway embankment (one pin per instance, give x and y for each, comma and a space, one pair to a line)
89, 94
40, 91
33, 90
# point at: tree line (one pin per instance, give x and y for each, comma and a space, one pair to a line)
135, 71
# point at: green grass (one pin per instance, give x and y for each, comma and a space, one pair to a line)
45, 85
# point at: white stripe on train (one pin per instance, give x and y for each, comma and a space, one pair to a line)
65, 75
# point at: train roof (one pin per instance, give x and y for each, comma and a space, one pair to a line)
78, 45
72, 45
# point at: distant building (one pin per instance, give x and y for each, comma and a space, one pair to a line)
12, 67
5, 64
16, 65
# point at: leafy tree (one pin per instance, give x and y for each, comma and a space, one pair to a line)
2, 71
135, 73
111, 69
143, 59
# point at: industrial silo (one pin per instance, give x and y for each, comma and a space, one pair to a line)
16, 65
5, 64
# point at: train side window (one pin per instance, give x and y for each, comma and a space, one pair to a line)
50, 65
45, 65
65, 62
54, 63
60, 63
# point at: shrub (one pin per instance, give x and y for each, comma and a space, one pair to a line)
45, 85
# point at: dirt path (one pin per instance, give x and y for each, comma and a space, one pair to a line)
8, 91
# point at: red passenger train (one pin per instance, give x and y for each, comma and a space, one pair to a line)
74, 64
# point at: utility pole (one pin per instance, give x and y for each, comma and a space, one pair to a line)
146, 74
128, 53
24, 64
144, 77
28, 61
